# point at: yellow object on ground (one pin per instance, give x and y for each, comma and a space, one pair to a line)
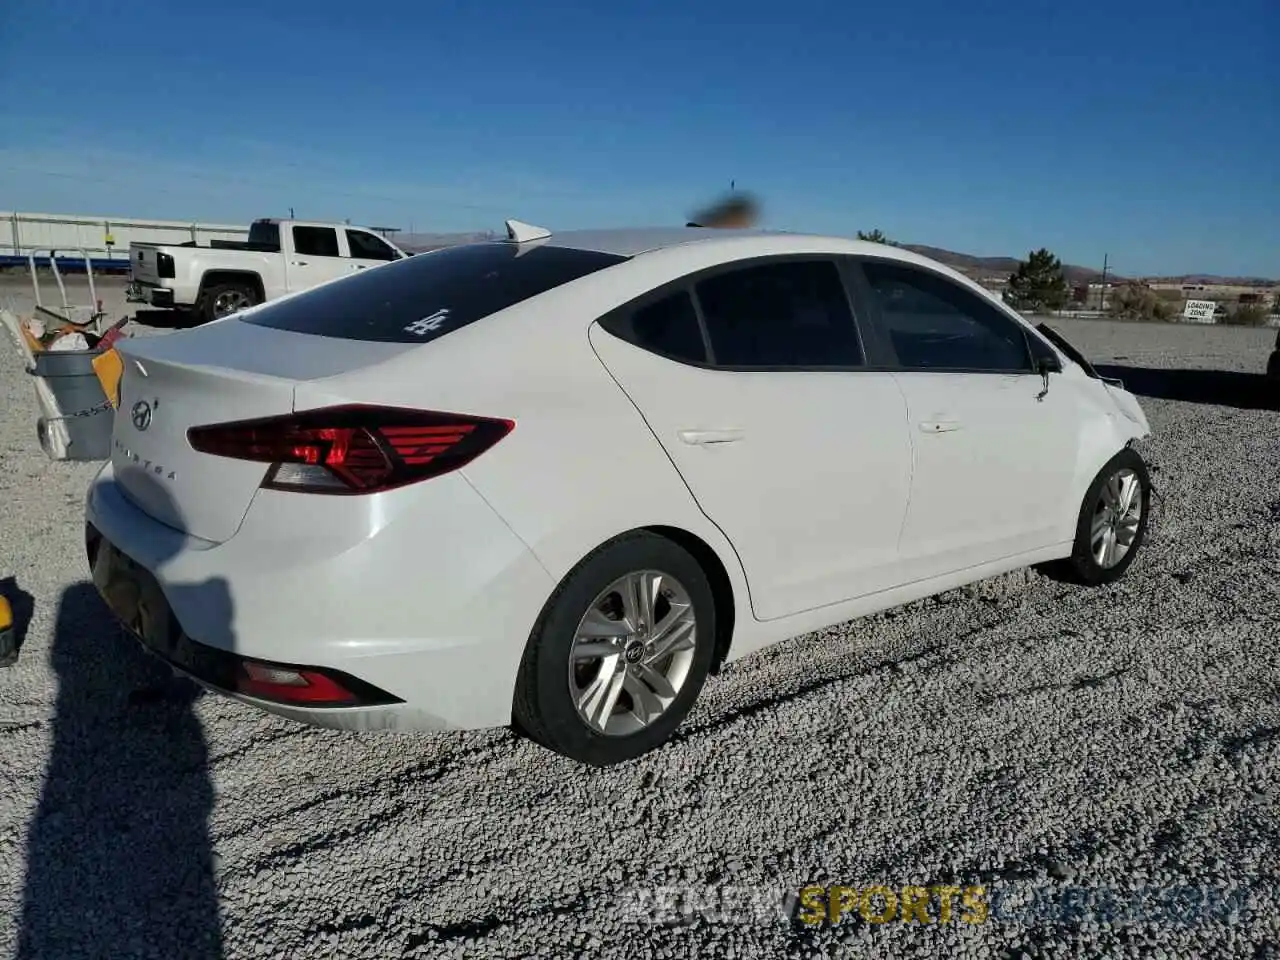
35, 345
108, 366
8, 638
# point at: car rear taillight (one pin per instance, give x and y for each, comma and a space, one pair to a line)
353, 449
164, 265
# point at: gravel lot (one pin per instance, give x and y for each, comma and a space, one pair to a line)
1051, 744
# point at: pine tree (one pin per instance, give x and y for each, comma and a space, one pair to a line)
876, 236
1038, 284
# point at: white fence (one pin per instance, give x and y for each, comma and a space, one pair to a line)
105, 239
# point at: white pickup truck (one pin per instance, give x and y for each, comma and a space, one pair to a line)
280, 256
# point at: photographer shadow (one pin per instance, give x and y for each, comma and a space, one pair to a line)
119, 856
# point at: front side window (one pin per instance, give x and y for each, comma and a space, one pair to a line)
935, 324
365, 246
783, 314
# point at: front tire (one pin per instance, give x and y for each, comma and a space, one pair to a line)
1112, 524
619, 653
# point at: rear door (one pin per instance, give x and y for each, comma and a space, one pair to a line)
753, 380
367, 250
316, 257
994, 454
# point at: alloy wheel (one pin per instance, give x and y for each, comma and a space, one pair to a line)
632, 652
1116, 518
229, 301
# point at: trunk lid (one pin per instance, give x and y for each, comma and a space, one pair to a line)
227, 370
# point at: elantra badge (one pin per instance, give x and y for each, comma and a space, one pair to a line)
148, 466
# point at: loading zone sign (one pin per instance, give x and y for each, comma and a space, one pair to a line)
1199, 311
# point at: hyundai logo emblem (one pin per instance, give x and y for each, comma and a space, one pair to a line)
141, 415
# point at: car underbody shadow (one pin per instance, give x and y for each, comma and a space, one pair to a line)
168, 319
1226, 388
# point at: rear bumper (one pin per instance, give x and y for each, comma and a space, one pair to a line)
428, 598
141, 292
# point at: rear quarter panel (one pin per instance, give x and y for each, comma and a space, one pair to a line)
581, 466
193, 264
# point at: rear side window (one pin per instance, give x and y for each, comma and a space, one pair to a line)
419, 299
788, 314
315, 241
668, 327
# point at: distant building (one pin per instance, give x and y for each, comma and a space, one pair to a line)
1225, 293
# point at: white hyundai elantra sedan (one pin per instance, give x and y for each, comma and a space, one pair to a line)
556, 481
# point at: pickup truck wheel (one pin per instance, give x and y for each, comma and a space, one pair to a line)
226, 298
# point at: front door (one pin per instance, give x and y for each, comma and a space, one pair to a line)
993, 453
367, 250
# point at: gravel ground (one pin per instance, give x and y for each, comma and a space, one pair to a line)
1105, 763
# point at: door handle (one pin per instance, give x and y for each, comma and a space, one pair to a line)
360, 266
939, 426
300, 263
705, 437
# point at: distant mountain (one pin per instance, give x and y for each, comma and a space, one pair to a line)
967, 263
976, 266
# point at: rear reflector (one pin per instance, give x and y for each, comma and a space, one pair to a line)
292, 685
353, 449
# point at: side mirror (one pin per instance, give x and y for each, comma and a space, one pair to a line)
1048, 363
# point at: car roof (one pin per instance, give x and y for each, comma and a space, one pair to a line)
632, 241
635, 241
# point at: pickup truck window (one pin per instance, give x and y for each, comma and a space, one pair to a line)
365, 246
420, 299
264, 235
315, 241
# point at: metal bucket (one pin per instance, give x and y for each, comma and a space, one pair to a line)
83, 409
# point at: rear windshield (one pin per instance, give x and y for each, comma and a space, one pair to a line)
265, 234
419, 299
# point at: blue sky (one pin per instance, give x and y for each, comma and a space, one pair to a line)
1147, 130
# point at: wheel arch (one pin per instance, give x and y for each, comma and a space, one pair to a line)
721, 585
249, 278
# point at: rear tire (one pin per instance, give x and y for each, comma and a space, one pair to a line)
224, 299
1111, 526
605, 676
